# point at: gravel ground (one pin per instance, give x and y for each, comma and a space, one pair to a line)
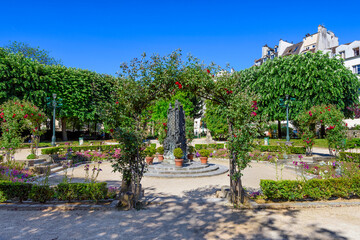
184, 214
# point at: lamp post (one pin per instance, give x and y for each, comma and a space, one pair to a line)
287, 118
53, 139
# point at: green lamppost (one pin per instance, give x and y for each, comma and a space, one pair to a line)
285, 103
53, 139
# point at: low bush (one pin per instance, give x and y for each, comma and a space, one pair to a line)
31, 156
56, 150
191, 150
200, 146
204, 153
41, 193
349, 157
153, 145
317, 189
206, 146
160, 150
15, 190
81, 191
290, 150
178, 153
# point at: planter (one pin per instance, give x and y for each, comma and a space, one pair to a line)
179, 162
203, 160
160, 158
149, 160
190, 156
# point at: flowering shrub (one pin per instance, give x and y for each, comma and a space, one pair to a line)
328, 116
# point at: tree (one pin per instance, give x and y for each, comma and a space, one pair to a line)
216, 121
35, 53
312, 79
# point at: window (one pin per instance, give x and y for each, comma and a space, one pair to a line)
272, 56
342, 54
264, 59
356, 52
268, 52
356, 69
276, 50
313, 46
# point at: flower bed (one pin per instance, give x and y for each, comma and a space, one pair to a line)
15, 173
314, 189
350, 157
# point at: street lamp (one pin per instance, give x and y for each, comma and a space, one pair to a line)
285, 103
53, 139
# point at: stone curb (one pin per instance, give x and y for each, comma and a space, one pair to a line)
57, 207
298, 205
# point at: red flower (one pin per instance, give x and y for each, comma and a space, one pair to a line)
14, 115
320, 112
117, 102
111, 130
345, 124
253, 114
36, 128
32, 114
180, 86
39, 115
26, 116
164, 124
329, 109
213, 76
177, 83
7, 130
234, 135
208, 71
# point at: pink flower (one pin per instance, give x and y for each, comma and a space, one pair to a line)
26, 116
253, 114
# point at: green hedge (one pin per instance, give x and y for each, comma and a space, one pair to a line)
16, 190
349, 157
212, 145
56, 150
81, 191
291, 150
63, 191
317, 189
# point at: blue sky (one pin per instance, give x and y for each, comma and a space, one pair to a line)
99, 35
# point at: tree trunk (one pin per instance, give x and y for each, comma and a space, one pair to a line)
279, 129
63, 129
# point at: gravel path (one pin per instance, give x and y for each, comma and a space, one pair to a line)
184, 214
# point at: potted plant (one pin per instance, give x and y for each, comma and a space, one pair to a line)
178, 153
160, 151
204, 154
191, 153
150, 152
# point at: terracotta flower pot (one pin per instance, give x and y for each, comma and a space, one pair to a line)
203, 160
190, 156
160, 158
179, 162
149, 160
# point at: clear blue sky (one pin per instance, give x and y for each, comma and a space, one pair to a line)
99, 35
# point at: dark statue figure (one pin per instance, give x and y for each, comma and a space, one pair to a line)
175, 137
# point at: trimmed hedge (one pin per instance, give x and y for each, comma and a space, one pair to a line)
212, 145
292, 150
56, 150
17, 190
81, 191
349, 157
317, 189
41, 193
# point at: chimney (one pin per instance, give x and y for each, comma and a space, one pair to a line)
320, 27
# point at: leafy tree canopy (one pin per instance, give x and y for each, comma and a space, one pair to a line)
35, 53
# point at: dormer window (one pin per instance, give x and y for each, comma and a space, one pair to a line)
342, 54
356, 52
268, 52
275, 50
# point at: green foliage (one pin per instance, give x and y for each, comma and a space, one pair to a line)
150, 151
160, 150
216, 121
317, 189
40, 55
19, 119
329, 116
41, 194
312, 79
153, 145
81, 191
349, 157
103, 148
191, 149
15, 190
291, 150
200, 146
31, 156
204, 153
178, 153
2, 197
